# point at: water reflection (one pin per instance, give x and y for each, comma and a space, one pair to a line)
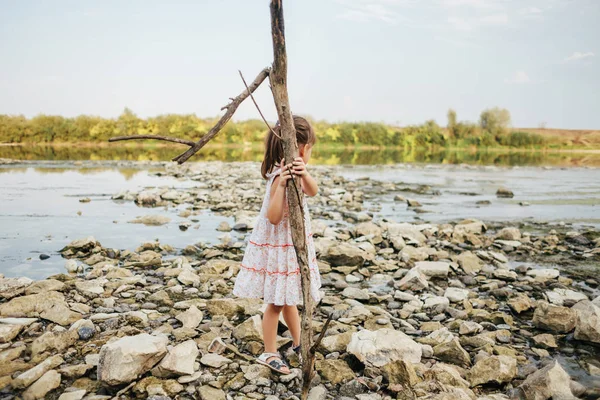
321, 155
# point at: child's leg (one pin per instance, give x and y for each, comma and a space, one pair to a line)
292, 319
269, 323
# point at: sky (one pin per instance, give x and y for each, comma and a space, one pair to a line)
399, 62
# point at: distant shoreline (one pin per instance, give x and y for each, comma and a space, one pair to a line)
326, 145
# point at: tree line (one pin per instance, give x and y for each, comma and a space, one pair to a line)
493, 130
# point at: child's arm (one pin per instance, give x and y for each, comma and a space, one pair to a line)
277, 199
309, 185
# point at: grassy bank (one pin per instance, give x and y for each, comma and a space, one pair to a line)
492, 132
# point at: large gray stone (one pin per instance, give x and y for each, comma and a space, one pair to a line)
179, 360
550, 382
47, 383
499, 369
50, 305
554, 318
125, 359
383, 346
588, 321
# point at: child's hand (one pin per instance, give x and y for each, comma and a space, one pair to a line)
299, 167
286, 174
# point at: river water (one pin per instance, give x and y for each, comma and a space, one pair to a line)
41, 212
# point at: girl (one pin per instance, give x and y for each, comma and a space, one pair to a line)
270, 269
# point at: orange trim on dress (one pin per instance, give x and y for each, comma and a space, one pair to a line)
286, 273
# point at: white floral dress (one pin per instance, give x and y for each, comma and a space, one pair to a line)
269, 268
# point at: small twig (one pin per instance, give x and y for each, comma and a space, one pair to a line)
257, 107
124, 390
313, 349
155, 137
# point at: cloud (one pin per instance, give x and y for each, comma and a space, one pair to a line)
481, 4
576, 56
469, 24
371, 11
497, 19
519, 78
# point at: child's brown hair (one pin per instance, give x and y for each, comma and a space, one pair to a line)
274, 146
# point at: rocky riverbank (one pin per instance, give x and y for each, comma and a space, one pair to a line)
468, 310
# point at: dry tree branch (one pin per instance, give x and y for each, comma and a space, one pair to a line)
156, 137
196, 146
231, 107
278, 80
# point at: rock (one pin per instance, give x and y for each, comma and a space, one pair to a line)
433, 269
369, 229
504, 193
190, 318
447, 375
92, 288
355, 293
550, 382
437, 304
81, 245
509, 233
249, 330
73, 395
152, 220
588, 321
210, 393
345, 254
47, 383
179, 360
499, 369
73, 267
227, 307
413, 203
413, 280
383, 346
554, 318
456, 295
469, 262
255, 371
55, 342
505, 275
28, 377
452, 352
473, 226
45, 286
439, 336
8, 332
545, 340
125, 359
406, 231
75, 371
543, 274
188, 277
469, 327
11, 287
214, 360
335, 371
409, 253
400, 372
317, 393
50, 305
560, 296
336, 343
520, 303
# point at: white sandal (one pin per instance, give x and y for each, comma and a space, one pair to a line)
276, 364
